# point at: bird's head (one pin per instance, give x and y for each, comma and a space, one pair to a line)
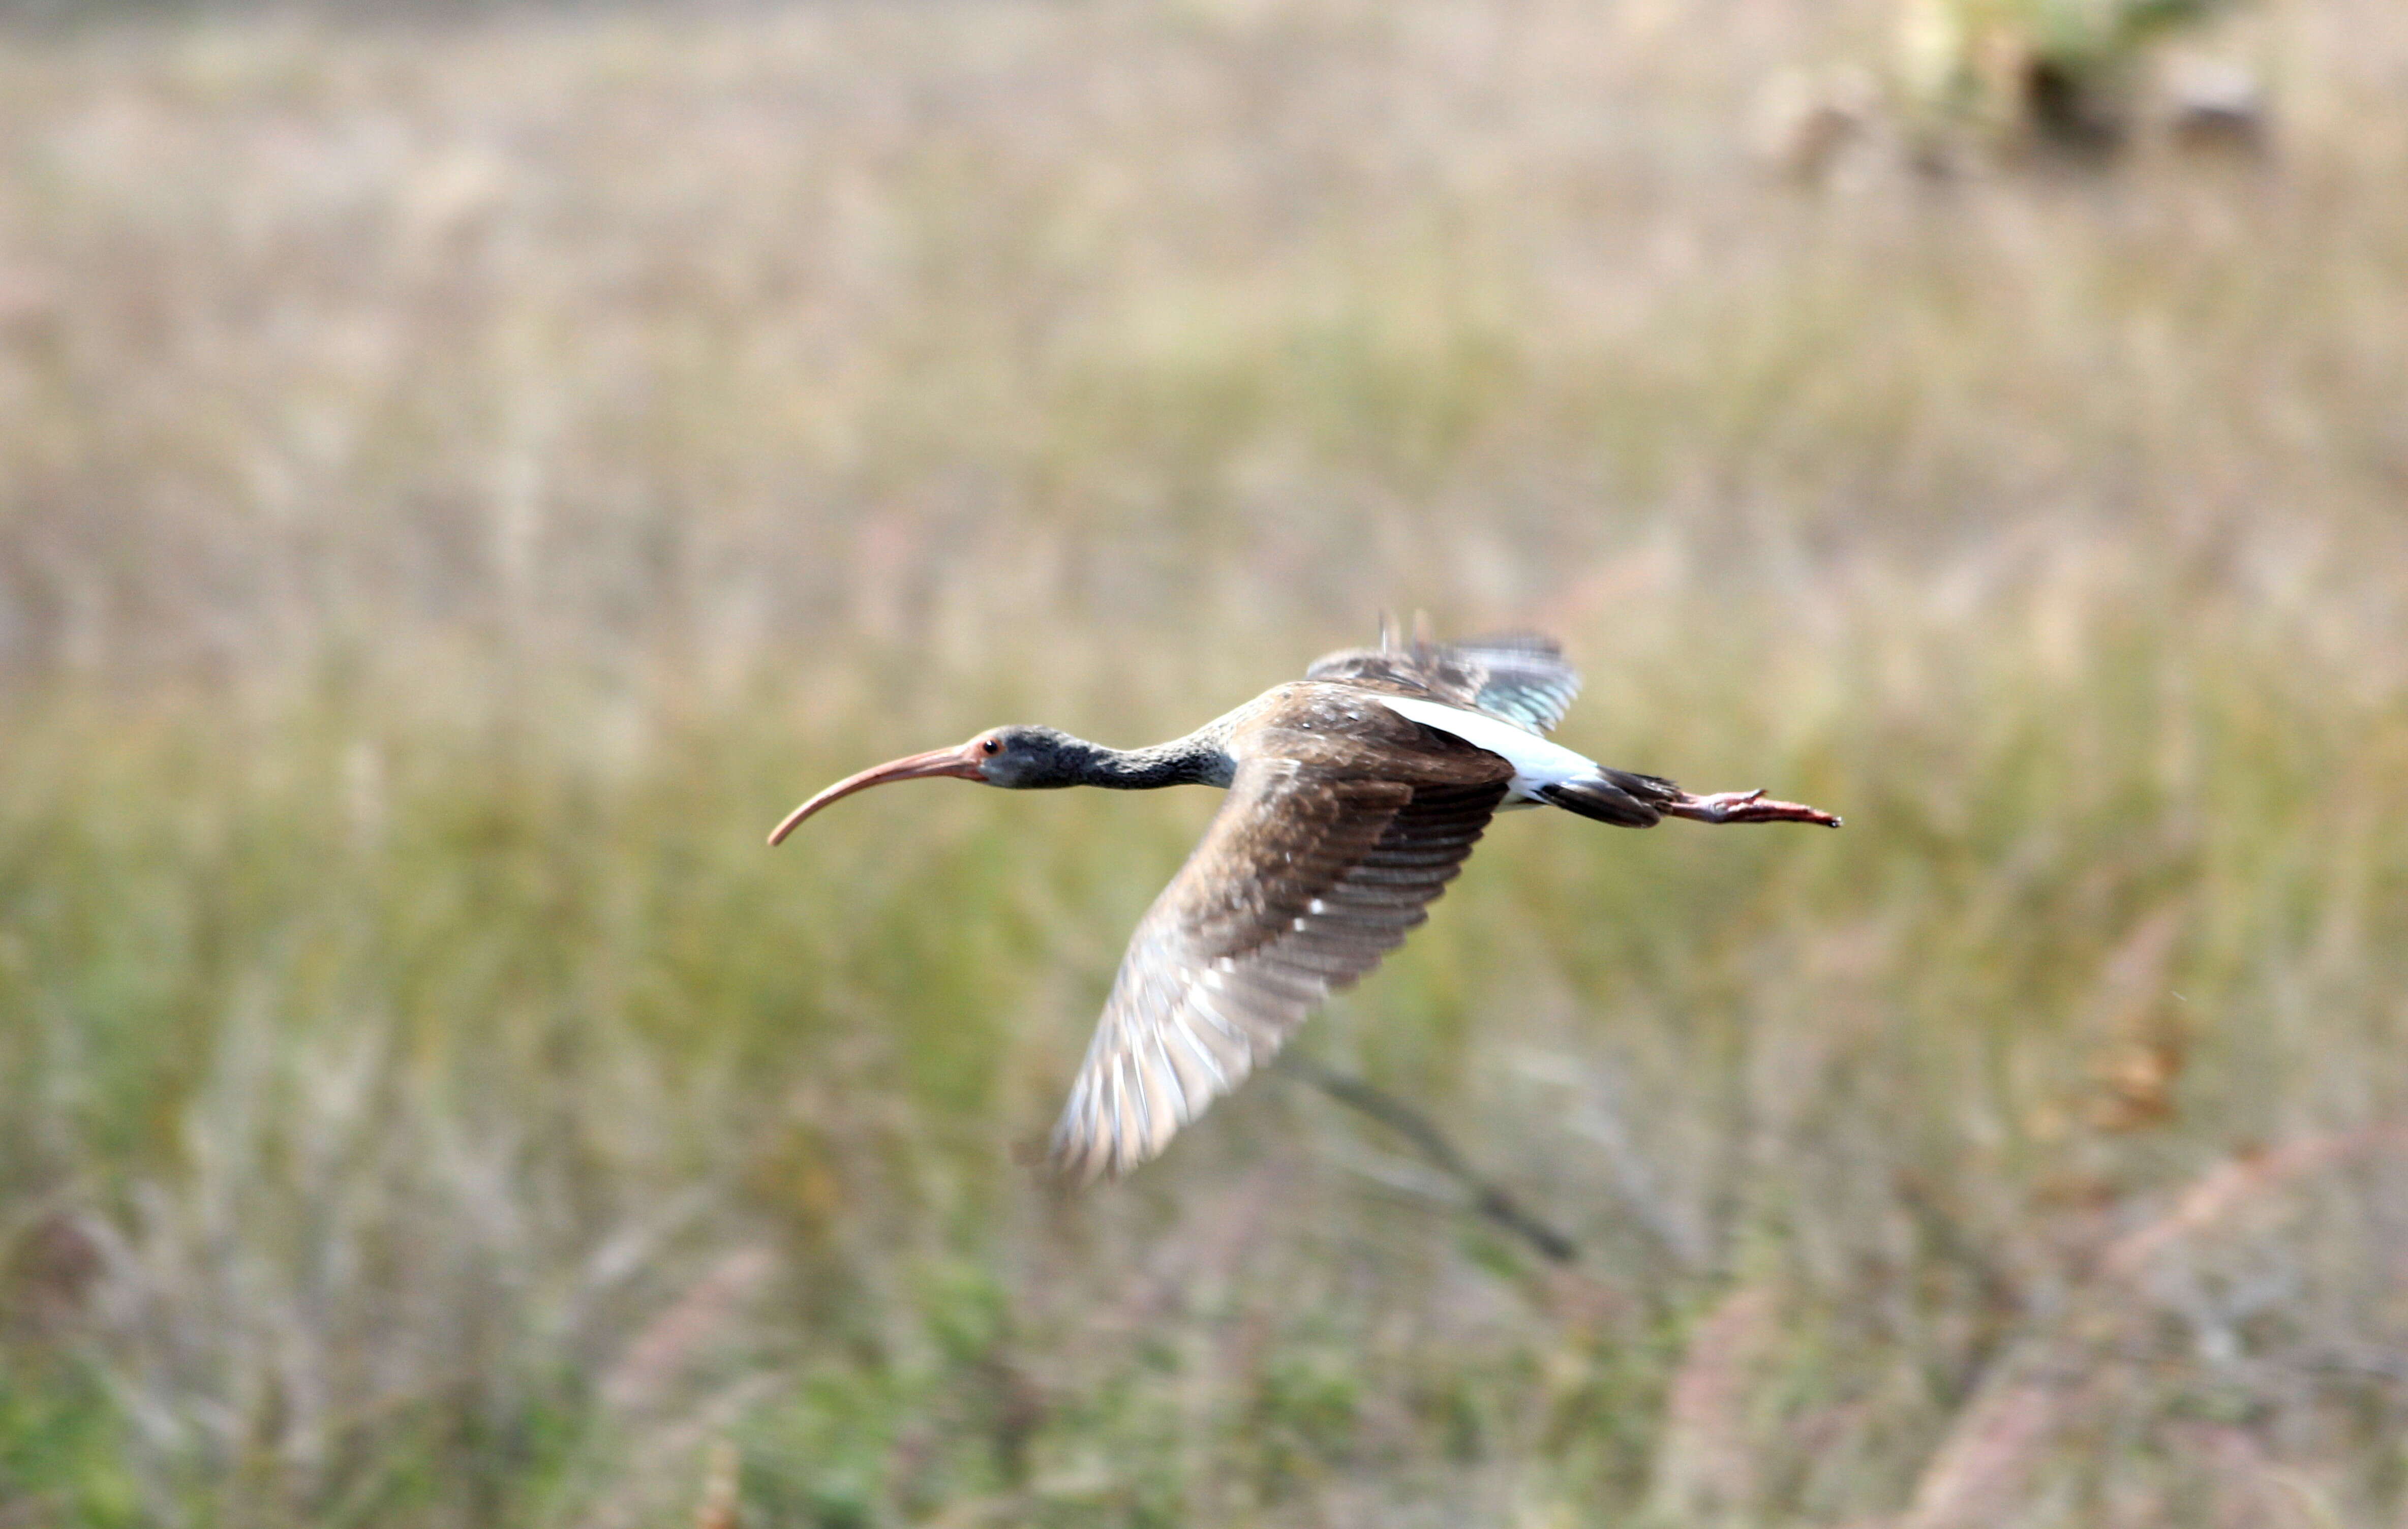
1016, 758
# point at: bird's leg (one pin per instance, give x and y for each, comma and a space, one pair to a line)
1743, 806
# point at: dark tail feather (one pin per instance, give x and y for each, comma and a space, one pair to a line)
1614, 796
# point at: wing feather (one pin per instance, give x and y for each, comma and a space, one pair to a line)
1299, 887
1519, 676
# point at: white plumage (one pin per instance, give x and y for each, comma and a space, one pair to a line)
1537, 761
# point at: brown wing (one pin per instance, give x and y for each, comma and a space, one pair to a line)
1518, 676
1299, 886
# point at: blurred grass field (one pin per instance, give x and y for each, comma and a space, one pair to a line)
463, 478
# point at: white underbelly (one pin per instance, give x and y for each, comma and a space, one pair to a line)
1536, 760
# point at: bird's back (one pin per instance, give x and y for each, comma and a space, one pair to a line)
1338, 730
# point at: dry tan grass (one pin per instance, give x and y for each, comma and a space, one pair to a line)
460, 479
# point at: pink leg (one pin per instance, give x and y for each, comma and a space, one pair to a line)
1743, 806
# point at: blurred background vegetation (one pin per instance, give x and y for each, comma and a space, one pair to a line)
464, 473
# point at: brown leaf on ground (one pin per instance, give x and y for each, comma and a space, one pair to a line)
2143, 1047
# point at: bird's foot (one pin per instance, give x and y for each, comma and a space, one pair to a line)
1744, 806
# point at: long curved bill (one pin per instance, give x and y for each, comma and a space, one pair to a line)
959, 762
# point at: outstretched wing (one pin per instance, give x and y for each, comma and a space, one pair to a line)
1300, 885
1518, 676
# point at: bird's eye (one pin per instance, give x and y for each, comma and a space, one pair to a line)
990, 744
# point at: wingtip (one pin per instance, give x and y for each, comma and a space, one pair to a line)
1077, 1170
1077, 1159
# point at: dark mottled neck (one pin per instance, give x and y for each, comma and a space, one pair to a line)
1199, 759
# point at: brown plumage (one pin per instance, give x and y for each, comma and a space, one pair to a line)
1354, 796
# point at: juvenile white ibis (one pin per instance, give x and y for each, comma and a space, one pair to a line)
1355, 794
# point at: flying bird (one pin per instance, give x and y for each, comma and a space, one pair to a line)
1355, 794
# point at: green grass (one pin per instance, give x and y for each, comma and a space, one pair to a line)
461, 482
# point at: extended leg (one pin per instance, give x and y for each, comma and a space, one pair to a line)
1630, 800
1743, 806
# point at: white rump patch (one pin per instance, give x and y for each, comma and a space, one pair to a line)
1537, 761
